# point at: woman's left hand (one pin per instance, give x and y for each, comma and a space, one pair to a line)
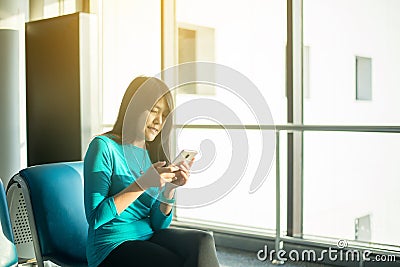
181, 175
181, 178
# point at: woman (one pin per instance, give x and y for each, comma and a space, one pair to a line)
129, 188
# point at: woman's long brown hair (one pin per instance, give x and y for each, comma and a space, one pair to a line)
134, 103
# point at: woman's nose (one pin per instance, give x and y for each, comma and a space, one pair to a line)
158, 118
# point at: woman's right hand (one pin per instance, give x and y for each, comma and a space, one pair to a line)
157, 175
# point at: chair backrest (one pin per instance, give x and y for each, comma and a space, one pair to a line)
8, 252
56, 198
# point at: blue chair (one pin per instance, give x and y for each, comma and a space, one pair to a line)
8, 252
53, 195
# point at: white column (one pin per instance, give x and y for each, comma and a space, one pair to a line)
9, 104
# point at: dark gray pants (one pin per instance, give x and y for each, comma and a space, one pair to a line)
167, 248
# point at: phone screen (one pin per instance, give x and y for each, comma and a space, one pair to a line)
185, 156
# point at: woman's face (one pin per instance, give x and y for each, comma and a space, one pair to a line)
156, 119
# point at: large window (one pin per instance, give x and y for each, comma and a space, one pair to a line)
337, 32
131, 43
250, 38
350, 178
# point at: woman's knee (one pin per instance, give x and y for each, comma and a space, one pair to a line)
201, 238
205, 236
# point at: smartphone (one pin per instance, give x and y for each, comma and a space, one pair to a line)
185, 155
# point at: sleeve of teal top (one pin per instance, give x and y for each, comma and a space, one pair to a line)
158, 219
99, 207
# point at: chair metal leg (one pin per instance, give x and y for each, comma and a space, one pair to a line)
23, 221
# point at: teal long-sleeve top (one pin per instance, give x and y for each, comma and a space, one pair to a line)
106, 173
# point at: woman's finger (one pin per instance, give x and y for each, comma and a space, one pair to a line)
190, 163
168, 169
182, 175
184, 168
182, 179
167, 175
159, 164
170, 180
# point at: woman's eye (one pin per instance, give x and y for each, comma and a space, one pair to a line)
153, 111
